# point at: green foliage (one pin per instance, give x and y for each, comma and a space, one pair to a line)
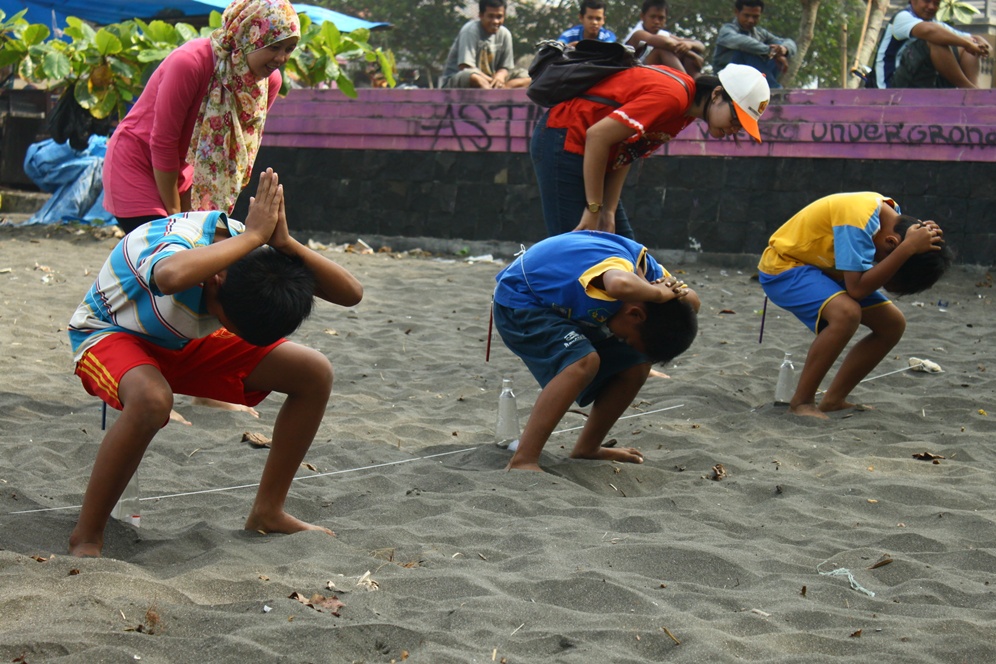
955, 11
423, 29
108, 67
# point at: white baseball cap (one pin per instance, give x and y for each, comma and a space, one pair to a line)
750, 93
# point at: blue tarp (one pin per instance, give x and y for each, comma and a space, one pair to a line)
53, 13
73, 177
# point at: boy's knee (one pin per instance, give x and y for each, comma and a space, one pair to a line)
843, 311
152, 402
587, 367
316, 373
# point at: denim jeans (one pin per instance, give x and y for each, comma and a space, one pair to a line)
560, 175
766, 66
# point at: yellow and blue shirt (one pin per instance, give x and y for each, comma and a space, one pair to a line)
834, 234
559, 273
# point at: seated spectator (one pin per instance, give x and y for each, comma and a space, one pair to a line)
592, 13
660, 47
917, 51
741, 41
481, 55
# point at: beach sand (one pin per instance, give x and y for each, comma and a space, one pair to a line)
441, 556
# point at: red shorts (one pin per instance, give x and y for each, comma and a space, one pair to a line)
215, 366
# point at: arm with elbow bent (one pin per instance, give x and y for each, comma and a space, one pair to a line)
602, 185
919, 240
631, 287
937, 33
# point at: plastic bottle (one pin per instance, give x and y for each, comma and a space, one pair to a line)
785, 387
127, 508
507, 425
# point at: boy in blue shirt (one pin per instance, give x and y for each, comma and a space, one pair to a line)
589, 313
826, 264
199, 304
592, 26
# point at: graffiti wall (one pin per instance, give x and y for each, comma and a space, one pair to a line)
455, 164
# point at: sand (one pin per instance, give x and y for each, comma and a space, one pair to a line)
441, 556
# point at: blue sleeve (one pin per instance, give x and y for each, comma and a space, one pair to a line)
853, 248
568, 36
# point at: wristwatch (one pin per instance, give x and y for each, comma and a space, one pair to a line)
594, 207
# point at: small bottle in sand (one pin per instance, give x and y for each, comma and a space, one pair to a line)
127, 509
507, 426
785, 387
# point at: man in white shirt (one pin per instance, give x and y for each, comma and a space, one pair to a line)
660, 47
917, 51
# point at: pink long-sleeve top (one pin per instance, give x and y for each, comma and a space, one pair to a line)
156, 131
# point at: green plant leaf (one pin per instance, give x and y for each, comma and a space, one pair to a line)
161, 31
154, 55
331, 36
56, 65
35, 33
106, 42
346, 86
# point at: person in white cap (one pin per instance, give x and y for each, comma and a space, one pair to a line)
583, 148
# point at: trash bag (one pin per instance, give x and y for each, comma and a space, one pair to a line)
71, 122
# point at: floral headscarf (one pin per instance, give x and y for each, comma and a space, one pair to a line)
229, 126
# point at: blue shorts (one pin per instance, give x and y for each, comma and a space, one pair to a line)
549, 343
805, 290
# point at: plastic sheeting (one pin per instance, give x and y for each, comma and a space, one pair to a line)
73, 177
53, 13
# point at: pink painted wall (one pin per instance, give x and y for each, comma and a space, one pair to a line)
928, 125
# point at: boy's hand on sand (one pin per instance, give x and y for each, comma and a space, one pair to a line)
925, 236
264, 207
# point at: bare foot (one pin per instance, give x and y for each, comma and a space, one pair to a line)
281, 523
808, 410
82, 549
654, 373
224, 405
512, 465
177, 417
843, 405
624, 454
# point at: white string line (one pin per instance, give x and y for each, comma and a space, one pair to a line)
380, 465
878, 376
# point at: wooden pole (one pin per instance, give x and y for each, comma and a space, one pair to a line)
843, 55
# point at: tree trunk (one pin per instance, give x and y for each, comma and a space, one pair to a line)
807, 24
866, 55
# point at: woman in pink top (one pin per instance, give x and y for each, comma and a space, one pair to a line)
190, 140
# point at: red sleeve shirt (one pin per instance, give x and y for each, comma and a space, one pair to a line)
653, 105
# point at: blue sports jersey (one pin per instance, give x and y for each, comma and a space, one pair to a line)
576, 34
558, 272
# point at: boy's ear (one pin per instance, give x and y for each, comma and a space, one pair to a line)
635, 310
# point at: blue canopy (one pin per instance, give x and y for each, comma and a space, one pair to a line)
53, 13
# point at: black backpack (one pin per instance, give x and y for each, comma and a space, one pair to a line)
560, 72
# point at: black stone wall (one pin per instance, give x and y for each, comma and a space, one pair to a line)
717, 205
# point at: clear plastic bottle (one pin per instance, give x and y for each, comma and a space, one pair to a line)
127, 508
507, 425
785, 388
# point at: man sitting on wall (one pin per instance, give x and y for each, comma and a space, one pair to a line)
592, 26
657, 46
481, 55
741, 41
917, 51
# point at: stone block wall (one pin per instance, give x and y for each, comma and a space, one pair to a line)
453, 164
